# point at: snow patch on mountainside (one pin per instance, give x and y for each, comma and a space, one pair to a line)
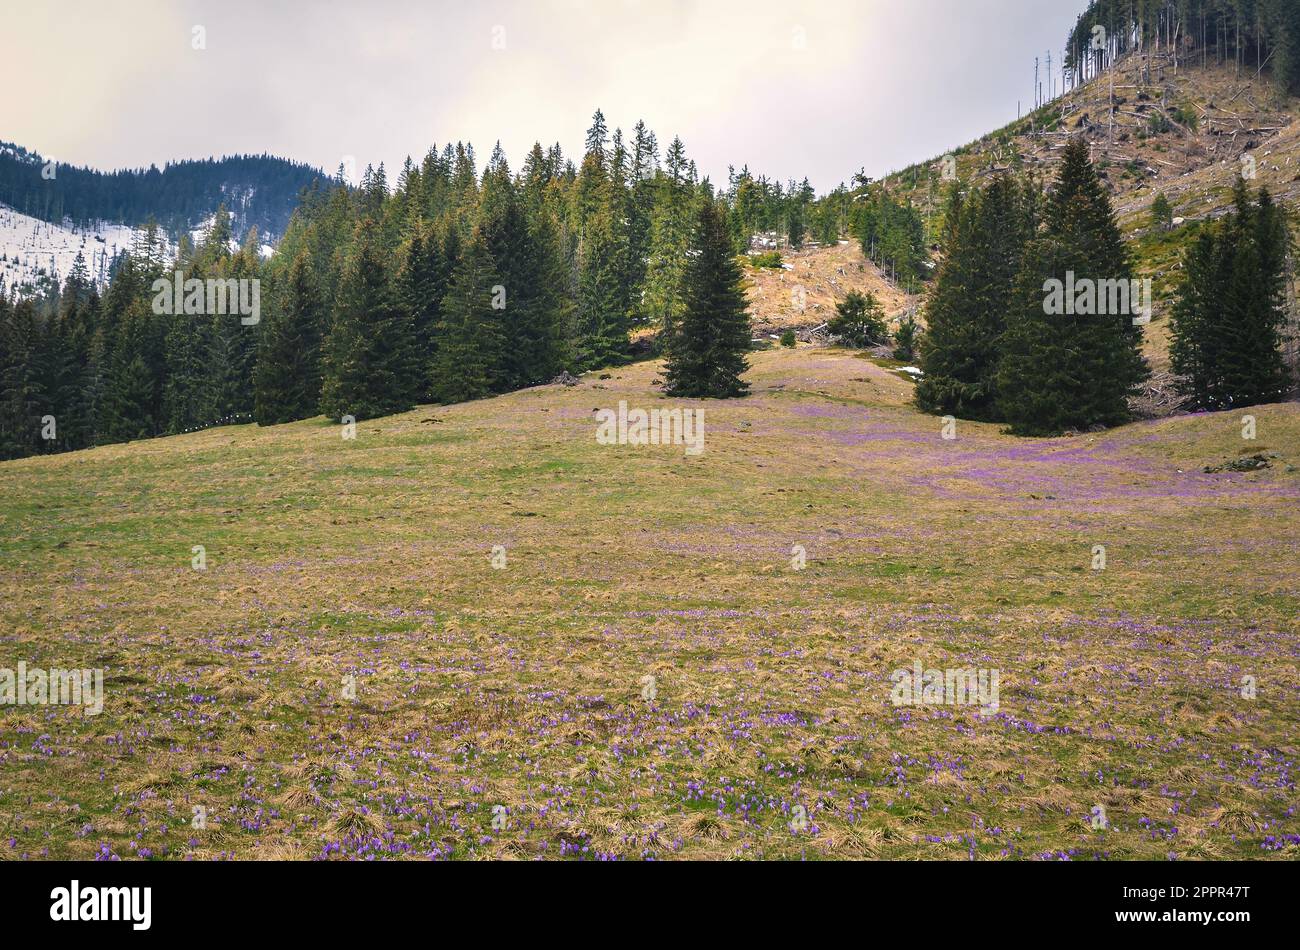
32, 249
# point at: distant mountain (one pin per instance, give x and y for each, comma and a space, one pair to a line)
259, 191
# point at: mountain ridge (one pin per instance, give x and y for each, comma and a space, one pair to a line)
259, 191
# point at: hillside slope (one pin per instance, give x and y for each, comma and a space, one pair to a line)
32, 250
1182, 132
1185, 133
803, 293
369, 564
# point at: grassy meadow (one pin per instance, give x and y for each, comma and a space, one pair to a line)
352, 676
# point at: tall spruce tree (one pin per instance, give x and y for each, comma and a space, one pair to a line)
967, 307
707, 348
467, 364
670, 235
1230, 310
133, 399
369, 359
550, 335
644, 165
287, 380
21, 395
80, 317
602, 317
187, 356
621, 214
60, 379
524, 259
1071, 371
422, 280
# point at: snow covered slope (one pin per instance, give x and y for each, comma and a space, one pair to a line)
32, 249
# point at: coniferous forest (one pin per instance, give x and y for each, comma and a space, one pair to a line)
443, 285
176, 197
1252, 34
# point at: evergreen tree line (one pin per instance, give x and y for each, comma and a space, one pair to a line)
760, 205
892, 234
1231, 309
176, 197
995, 351
446, 286
1251, 33
109, 369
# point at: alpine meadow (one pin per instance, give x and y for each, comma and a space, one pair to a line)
844, 432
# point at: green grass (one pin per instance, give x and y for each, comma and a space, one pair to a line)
523, 687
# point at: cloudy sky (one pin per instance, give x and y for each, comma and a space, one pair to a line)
818, 88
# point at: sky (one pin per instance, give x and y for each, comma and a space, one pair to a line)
816, 89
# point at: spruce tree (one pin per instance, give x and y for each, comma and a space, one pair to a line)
859, 321
467, 363
287, 380
644, 164
622, 211
60, 379
369, 359
597, 135
93, 395
1162, 213
1060, 371
1194, 328
222, 386
422, 279
967, 307
21, 394
245, 266
1230, 309
216, 240
189, 365
602, 317
670, 235
546, 331
905, 338
80, 323
523, 259
707, 348
134, 383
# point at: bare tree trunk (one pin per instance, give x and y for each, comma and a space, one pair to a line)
1291, 344
1178, 29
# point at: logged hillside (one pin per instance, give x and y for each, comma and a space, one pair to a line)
1181, 132
802, 294
525, 691
1185, 133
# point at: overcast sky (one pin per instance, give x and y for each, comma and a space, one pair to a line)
818, 88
